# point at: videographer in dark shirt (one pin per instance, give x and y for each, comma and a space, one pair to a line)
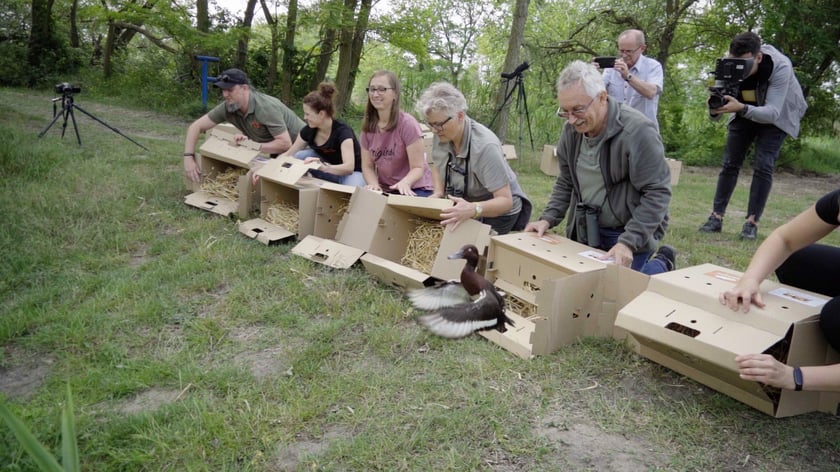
768, 107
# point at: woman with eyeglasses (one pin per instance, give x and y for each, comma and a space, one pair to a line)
468, 165
331, 142
393, 154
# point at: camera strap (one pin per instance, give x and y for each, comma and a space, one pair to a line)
450, 166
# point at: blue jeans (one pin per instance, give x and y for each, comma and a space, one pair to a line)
356, 179
641, 260
768, 142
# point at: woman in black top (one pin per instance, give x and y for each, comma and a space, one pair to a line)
330, 142
791, 251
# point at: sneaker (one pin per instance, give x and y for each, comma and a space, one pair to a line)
668, 255
712, 225
749, 230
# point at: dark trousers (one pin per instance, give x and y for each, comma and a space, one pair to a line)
816, 268
741, 136
641, 260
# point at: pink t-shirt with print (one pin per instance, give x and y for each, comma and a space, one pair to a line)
389, 155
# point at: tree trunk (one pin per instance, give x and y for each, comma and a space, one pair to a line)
202, 16
272, 64
517, 33
74, 29
41, 37
242, 45
287, 72
345, 48
324, 58
108, 51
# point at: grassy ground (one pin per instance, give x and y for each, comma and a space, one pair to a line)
191, 347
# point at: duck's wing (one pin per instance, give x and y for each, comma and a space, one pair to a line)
463, 319
439, 296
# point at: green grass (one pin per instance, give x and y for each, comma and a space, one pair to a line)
191, 347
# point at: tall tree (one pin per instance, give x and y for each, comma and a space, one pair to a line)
351, 41
42, 40
287, 72
515, 41
241, 60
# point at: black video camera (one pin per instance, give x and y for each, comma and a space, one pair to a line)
729, 73
517, 72
65, 88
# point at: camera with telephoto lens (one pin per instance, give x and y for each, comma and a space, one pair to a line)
587, 227
65, 88
729, 73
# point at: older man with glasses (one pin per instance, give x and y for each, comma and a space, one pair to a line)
635, 79
259, 117
614, 182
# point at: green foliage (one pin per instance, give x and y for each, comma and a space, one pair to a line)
37, 451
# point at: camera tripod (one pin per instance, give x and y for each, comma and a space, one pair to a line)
67, 107
521, 106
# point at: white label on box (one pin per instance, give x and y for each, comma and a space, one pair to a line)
799, 297
597, 255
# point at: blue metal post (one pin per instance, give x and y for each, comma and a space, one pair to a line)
205, 80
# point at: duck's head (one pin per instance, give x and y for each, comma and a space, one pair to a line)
468, 252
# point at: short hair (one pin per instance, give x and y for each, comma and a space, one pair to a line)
638, 35
584, 73
442, 97
744, 43
371, 119
322, 99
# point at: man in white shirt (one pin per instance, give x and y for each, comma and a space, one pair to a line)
636, 79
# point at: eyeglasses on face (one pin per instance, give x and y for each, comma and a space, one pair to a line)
375, 90
579, 112
627, 52
438, 126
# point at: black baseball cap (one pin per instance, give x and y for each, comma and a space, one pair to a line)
231, 77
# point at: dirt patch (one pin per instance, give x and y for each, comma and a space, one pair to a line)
585, 446
289, 457
24, 373
147, 400
271, 362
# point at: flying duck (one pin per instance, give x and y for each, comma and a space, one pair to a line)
459, 309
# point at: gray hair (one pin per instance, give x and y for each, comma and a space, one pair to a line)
584, 73
441, 97
635, 34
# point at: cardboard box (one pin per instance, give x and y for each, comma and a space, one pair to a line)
216, 156
333, 203
678, 322
377, 229
283, 182
509, 151
556, 291
548, 163
675, 166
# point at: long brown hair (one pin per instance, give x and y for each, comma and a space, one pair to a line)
371, 119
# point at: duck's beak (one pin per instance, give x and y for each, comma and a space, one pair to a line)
457, 255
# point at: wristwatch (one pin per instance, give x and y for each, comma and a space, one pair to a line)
797, 378
629, 77
478, 210
743, 111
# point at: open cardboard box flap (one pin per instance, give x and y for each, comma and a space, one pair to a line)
285, 170
429, 208
219, 145
679, 323
328, 252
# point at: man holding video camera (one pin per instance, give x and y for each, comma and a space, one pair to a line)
634, 78
614, 185
769, 105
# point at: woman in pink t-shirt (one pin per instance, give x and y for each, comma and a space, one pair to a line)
393, 154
